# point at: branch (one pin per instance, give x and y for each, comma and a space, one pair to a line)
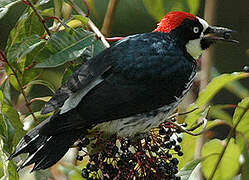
188, 131
106, 28
3, 57
29, 2
90, 23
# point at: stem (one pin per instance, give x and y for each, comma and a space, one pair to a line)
106, 28
231, 133
206, 65
20, 85
90, 23
39, 16
188, 131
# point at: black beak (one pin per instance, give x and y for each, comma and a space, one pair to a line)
219, 34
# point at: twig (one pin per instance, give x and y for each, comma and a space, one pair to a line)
90, 23
2, 56
113, 39
106, 28
230, 135
87, 8
29, 2
188, 131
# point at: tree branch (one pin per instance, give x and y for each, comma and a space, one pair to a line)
106, 28
39, 16
3, 57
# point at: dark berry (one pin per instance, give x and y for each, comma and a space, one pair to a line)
168, 145
114, 150
85, 142
84, 173
154, 148
246, 68
173, 142
180, 153
169, 155
174, 170
177, 148
167, 138
148, 139
178, 131
227, 35
123, 148
179, 139
175, 161
93, 167
161, 131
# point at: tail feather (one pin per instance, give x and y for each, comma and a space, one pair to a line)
44, 150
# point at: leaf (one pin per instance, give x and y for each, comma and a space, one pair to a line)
245, 165
44, 83
229, 163
9, 168
15, 127
241, 116
210, 91
27, 25
5, 5
217, 112
21, 49
188, 148
189, 171
65, 46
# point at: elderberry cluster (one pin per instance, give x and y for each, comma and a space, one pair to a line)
153, 157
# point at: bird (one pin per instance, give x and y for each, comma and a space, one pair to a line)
126, 90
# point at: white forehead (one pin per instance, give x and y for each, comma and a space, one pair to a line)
204, 23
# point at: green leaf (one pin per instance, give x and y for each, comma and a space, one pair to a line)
190, 171
229, 163
241, 117
9, 168
65, 46
18, 50
210, 91
245, 165
188, 148
27, 25
15, 127
217, 112
84, 20
5, 5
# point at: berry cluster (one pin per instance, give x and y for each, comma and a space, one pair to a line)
153, 157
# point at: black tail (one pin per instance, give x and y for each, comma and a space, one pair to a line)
45, 150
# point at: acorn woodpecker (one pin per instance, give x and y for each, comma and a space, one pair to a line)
126, 90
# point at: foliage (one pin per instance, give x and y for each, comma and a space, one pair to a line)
37, 61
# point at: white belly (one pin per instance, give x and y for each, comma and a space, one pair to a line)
136, 125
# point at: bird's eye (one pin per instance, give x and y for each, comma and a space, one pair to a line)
196, 29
